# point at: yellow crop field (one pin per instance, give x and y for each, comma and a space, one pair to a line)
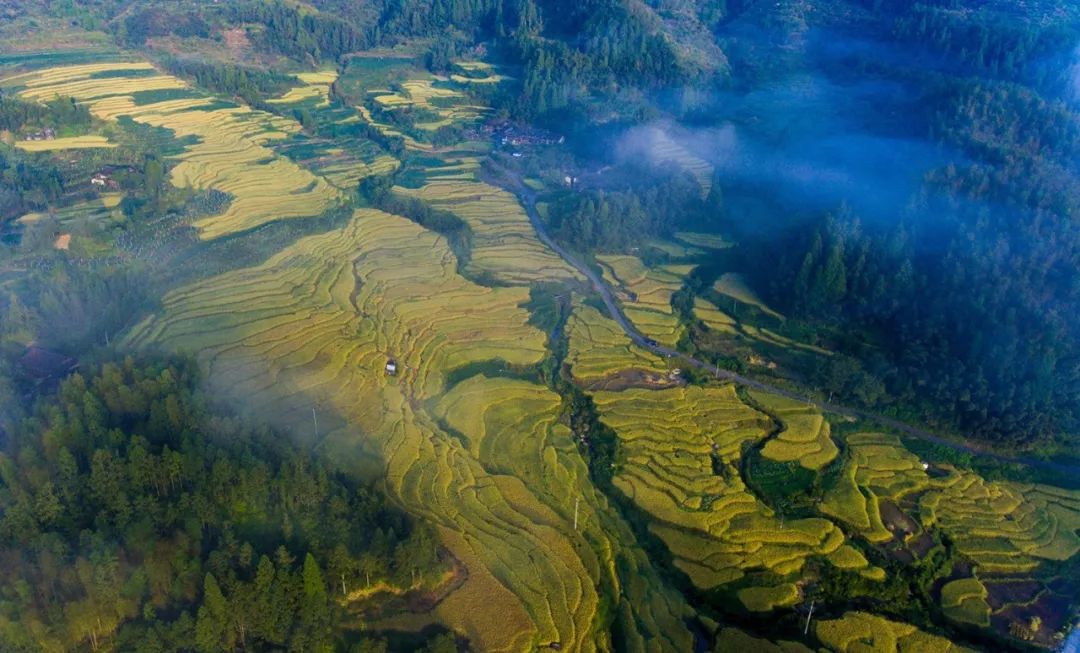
77, 81
70, 143
733, 285
714, 319
230, 156
505, 244
965, 600
646, 294
389, 130
766, 599
450, 104
1002, 526
324, 77
805, 437
491, 76
703, 240
314, 85
347, 173
313, 328
681, 447
848, 557
599, 348
675, 250
877, 466
857, 632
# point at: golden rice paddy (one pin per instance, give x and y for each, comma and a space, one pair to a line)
599, 348
805, 435
230, 156
314, 85
857, 632
505, 245
1003, 527
485, 461
646, 293
69, 143
681, 447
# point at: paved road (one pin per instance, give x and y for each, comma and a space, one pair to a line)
527, 196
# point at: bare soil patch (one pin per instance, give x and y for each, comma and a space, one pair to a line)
236, 39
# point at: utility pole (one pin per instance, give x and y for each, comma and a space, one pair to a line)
808, 615
577, 502
316, 420
106, 338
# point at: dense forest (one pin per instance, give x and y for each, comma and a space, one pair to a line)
618, 219
133, 516
958, 300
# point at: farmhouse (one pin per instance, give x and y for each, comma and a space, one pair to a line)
103, 179
46, 134
391, 367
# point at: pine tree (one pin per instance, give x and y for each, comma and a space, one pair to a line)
315, 614
212, 632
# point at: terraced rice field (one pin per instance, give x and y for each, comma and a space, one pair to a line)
877, 467
1003, 527
734, 286
805, 437
393, 132
857, 632
599, 348
664, 149
478, 72
674, 250
703, 240
431, 94
102, 210
767, 599
680, 449
314, 86
345, 175
342, 161
965, 600
485, 461
716, 320
646, 294
505, 246
69, 143
230, 155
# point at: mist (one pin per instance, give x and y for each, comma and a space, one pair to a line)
806, 141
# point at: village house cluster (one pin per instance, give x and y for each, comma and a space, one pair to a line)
46, 134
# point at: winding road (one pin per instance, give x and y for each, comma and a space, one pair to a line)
527, 197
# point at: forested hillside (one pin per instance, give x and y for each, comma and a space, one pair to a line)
130, 511
958, 296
